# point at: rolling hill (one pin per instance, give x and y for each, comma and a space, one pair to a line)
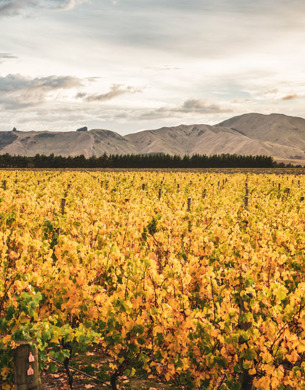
277, 135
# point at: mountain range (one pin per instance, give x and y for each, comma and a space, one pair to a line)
276, 135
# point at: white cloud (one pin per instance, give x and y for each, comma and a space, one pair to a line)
70, 4
15, 7
20, 92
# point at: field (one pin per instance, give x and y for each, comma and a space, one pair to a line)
155, 279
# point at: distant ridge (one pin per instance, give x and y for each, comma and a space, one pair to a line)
276, 135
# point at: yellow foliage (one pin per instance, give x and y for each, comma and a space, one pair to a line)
199, 291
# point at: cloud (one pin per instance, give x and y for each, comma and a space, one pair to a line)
17, 91
6, 56
291, 97
190, 106
115, 91
163, 68
15, 7
202, 106
70, 4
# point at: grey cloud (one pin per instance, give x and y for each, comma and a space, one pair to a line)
199, 28
291, 97
117, 114
81, 95
15, 82
17, 91
202, 106
190, 106
6, 56
116, 90
15, 7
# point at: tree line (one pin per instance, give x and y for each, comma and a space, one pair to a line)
158, 160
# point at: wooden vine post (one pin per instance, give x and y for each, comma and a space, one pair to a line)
63, 204
189, 201
26, 367
247, 197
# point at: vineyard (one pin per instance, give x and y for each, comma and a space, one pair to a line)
195, 279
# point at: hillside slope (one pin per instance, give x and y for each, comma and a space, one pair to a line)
276, 135
88, 143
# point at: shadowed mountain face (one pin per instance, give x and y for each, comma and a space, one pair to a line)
280, 136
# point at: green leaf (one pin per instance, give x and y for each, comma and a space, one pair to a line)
52, 367
249, 354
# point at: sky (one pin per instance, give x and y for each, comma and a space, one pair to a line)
130, 65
